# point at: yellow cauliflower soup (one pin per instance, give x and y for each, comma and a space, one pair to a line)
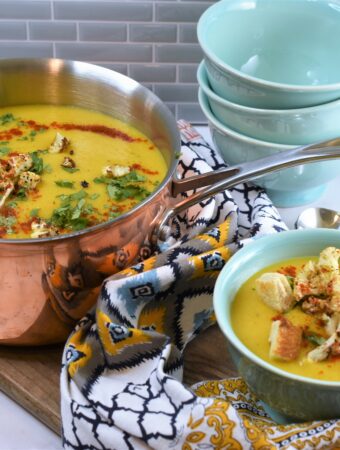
64, 168
288, 314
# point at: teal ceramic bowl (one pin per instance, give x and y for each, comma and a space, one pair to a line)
285, 126
272, 54
296, 186
286, 396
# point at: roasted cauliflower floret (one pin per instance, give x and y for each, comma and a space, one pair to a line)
28, 180
59, 144
329, 259
274, 290
68, 163
41, 229
285, 340
116, 171
19, 163
9, 188
329, 347
306, 281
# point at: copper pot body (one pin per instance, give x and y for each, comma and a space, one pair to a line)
46, 285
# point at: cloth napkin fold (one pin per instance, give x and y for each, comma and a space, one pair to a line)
121, 378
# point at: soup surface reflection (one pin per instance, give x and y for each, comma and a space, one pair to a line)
65, 168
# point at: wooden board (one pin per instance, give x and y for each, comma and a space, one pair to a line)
30, 376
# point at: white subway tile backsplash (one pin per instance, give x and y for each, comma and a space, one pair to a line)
13, 31
182, 12
172, 53
187, 33
99, 10
13, 9
144, 32
187, 73
176, 92
25, 50
104, 52
153, 73
52, 31
103, 32
152, 41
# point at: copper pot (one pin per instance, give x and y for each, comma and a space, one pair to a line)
46, 285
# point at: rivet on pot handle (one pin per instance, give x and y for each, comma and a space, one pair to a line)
217, 181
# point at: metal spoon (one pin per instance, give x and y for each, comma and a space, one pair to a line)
318, 218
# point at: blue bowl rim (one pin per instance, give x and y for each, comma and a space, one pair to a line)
231, 335
259, 82
203, 82
204, 104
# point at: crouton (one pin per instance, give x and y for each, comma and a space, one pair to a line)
59, 144
275, 291
285, 340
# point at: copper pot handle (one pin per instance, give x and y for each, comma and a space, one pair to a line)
217, 181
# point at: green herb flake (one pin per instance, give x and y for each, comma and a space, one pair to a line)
48, 168
127, 186
34, 212
73, 211
21, 194
94, 196
314, 338
4, 150
70, 169
37, 163
8, 222
65, 184
6, 118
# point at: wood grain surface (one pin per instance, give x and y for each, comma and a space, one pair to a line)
30, 376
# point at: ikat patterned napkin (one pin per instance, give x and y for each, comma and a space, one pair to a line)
121, 379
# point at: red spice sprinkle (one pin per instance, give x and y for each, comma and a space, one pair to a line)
288, 270
7, 211
144, 170
27, 226
99, 129
278, 317
10, 134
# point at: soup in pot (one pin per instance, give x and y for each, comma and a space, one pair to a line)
64, 168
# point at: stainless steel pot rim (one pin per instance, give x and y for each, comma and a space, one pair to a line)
84, 66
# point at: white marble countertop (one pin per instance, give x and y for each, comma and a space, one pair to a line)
19, 430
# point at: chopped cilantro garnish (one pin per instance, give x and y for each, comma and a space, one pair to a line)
127, 186
34, 212
4, 150
38, 163
72, 212
65, 184
8, 222
48, 168
314, 338
70, 169
21, 194
94, 196
6, 118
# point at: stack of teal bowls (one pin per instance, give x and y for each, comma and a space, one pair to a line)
270, 81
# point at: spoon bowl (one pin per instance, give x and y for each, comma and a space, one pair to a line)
318, 218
